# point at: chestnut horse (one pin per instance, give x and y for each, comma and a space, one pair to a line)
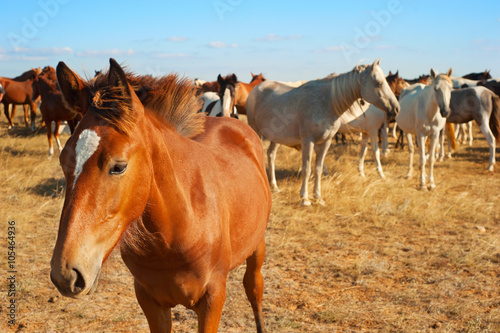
21, 90
243, 89
185, 195
52, 107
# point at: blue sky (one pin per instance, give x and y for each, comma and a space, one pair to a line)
285, 40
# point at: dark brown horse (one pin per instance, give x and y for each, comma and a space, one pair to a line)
52, 107
421, 79
481, 76
491, 85
186, 197
21, 90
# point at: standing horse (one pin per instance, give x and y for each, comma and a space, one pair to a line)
483, 106
52, 106
21, 90
307, 117
186, 197
243, 90
481, 76
369, 120
423, 113
227, 94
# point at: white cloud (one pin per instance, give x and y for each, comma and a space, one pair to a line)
170, 55
274, 38
221, 45
177, 39
107, 53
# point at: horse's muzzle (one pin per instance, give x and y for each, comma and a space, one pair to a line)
72, 283
445, 112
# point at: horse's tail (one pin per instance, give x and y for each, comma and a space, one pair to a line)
495, 116
451, 129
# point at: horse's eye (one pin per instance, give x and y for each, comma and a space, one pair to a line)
118, 169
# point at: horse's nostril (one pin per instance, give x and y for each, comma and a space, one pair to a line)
79, 284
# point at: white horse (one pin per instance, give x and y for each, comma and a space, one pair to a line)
307, 117
294, 84
423, 113
366, 119
460, 82
483, 106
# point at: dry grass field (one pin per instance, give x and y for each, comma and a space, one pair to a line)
382, 256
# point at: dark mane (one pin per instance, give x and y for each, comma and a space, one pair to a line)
169, 97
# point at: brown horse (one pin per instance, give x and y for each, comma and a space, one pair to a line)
52, 107
187, 195
21, 90
242, 91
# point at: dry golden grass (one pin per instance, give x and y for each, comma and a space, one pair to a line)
381, 257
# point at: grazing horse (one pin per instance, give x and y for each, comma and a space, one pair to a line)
21, 90
52, 106
481, 105
423, 113
186, 196
243, 89
307, 117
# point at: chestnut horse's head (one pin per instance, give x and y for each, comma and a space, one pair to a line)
108, 171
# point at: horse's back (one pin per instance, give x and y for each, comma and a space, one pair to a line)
408, 103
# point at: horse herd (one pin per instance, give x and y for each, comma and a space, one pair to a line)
143, 167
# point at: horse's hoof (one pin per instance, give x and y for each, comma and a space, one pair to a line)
432, 187
408, 176
305, 203
381, 175
422, 187
275, 189
490, 168
320, 202
362, 174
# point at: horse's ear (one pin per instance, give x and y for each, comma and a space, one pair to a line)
397, 73
433, 74
235, 79
118, 78
253, 75
75, 93
390, 73
220, 79
449, 72
376, 62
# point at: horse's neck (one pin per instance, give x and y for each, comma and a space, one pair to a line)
429, 103
345, 90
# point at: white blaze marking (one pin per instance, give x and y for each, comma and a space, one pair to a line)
87, 144
227, 102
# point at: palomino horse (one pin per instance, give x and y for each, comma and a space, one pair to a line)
423, 113
367, 119
483, 106
307, 117
52, 106
242, 91
186, 197
21, 90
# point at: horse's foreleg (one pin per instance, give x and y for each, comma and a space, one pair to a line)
56, 134
209, 307
271, 157
48, 126
307, 150
7, 113
26, 119
376, 154
394, 129
385, 139
321, 151
159, 317
412, 150
362, 153
485, 129
421, 148
33, 107
442, 133
469, 126
254, 284
432, 159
